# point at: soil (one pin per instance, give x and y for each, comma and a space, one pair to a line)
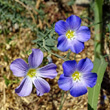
19, 47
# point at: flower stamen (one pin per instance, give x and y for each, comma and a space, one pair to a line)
76, 76
70, 34
31, 73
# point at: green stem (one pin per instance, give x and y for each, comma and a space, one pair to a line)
63, 101
68, 55
106, 55
52, 52
49, 32
45, 46
59, 56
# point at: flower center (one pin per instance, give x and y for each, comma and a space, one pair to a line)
76, 76
31, 73
70, 34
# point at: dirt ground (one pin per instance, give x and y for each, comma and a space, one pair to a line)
19, 47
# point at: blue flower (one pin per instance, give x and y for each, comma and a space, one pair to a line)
71, 35
33, 74
77, 77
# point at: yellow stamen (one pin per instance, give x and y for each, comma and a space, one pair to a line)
76, 76
31, 73
70, 34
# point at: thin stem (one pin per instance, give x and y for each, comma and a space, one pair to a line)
52, 52
68, 55
49, 32
106, 55
59, 56
44, 45
63, 101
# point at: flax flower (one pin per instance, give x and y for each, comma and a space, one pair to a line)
77, 77
71, 34
32, 74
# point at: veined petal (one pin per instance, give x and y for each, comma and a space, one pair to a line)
69, 67
65, 83
19, 67
74, 22
35, 59
41, 85
25, 88
85, 65
63, 44
76, 46
78, 89
48, 71
61, 27
83, 34
90, 79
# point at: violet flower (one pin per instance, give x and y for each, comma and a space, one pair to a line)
32, 74
71, 34
77, 77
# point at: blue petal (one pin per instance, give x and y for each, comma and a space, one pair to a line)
24, 88
90, 79
63, 44
65, 83
83, 34
48, 71
76, 46
85, 65
35, 59
69, 67
61, 27
41, 85
74, 22
78, 89
19, 67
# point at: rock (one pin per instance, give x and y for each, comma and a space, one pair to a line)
1, 27
16, 26
79, 2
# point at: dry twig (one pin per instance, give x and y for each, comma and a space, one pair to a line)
28, 8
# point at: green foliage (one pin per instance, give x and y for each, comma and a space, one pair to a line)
71, 2
99, 63
46, 40
9, 82
19, 12
93, 93
98, 28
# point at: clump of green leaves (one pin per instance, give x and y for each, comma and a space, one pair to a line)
9, 82
46, 40
22, 12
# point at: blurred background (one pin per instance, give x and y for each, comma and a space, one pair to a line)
23, 24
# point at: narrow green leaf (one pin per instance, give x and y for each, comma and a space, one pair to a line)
50, 42
93, 93
98, 12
